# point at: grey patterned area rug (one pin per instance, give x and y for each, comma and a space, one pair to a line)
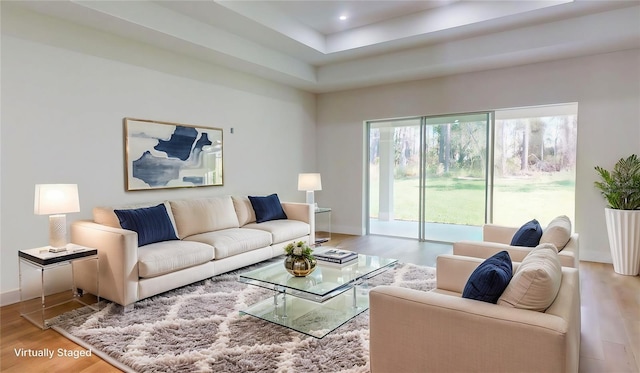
198, 328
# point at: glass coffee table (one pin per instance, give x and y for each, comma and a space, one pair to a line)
320, 302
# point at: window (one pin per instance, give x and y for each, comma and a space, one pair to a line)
439, 178
534, 164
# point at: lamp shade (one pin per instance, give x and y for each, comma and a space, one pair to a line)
56, 199
309, 182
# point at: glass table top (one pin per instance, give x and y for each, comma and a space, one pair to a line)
324, 283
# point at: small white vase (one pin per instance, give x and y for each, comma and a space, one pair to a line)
623, 228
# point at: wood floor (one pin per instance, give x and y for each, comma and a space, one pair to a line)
610, 316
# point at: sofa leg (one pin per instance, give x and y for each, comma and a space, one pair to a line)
127, 309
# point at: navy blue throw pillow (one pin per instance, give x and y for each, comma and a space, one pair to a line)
528, 235
151, 223
267, 208
489, 279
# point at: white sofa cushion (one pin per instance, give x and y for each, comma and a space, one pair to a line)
244, 210
194, 216
169, 256
536, 282
558, 232
282, 230
233, 241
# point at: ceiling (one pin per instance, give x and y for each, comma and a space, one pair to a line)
323, 16
303, 43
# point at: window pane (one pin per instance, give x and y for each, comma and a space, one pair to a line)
534, 169
394, 161
456, 169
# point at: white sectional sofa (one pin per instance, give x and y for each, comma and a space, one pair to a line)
210, 236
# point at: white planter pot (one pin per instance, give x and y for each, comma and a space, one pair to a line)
623, 227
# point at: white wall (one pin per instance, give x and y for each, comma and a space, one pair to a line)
606, 87
66, 88
65, 92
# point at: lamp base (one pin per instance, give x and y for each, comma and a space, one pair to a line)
310, 199
58, 231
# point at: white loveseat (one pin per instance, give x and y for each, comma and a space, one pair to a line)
215, 235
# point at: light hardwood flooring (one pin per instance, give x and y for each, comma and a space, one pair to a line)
610, 316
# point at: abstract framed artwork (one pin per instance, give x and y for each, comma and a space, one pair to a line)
171, 155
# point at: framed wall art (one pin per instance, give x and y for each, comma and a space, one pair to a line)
171, 155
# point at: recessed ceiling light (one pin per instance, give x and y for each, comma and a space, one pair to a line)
343, 17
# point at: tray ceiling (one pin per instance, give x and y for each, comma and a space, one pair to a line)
303, 43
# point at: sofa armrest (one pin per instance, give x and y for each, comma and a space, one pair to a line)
498, 233
118, 260
303, 212
486, 249
416, 331
568, 256
298, 211
452, 272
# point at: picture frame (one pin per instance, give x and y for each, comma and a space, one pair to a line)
161, 155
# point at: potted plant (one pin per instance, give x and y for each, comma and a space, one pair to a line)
621, 190
299, 261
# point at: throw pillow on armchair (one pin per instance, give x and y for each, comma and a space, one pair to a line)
528, 235
489, 279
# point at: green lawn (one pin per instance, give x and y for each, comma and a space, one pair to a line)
461, 201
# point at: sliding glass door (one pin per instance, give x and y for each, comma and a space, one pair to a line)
455, 178
428, 176
440, 178
394, 177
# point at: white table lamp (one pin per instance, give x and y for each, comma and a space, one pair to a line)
309, 183
56, 200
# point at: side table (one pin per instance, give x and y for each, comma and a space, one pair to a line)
44, 280
323, 225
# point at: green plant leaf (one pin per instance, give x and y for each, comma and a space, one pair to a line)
621, 187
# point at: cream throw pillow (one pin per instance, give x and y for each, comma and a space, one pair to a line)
558, 232
536, 282
244, 210
194, 216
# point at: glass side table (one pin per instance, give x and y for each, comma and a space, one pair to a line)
323, 225
45, 279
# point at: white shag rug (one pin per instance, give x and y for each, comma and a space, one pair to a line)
198, 328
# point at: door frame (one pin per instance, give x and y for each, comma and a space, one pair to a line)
489, 161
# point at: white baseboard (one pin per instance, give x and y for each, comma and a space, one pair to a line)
595, 256
343, 229
9, 297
